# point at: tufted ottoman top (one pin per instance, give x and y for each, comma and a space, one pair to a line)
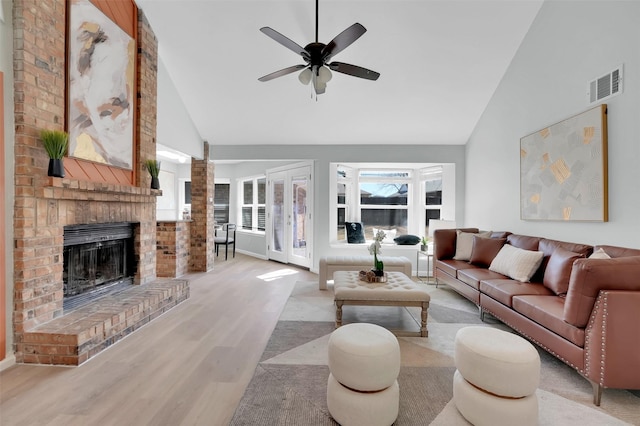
399, 287
364, 260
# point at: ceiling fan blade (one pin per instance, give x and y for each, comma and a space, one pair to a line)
354, 70
342, 41
285, 41
282, 72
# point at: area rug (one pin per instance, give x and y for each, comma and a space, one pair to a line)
290, 381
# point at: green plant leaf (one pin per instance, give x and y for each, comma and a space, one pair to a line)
55, 142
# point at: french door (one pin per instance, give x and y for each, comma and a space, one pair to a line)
289, 216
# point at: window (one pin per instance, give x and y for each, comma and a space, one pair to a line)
384, 200
253, 198
221, 202
432, 184
393, 197
343, 189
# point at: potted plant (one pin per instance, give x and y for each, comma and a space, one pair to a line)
424, 242
375, 249
55, 143
153, 166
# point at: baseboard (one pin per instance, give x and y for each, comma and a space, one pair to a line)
9, 361
249, 253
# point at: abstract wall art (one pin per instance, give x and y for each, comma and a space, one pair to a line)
563, 170
101, 87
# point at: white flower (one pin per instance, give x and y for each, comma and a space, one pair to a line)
376, 245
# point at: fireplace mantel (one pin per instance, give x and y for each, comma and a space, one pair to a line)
71, 189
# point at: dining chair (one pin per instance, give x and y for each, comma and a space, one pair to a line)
226, 236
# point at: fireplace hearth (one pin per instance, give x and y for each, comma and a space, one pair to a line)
99, 259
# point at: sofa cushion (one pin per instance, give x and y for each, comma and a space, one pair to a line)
464, 243
558, 270
524, 242
548, 311
355, 232
504, 289
444, 242
452, 267
548, 246
516, 263
484, 250
473, 276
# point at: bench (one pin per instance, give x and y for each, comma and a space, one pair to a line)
331, 264
399, 290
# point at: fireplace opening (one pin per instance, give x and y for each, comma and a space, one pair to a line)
99, 259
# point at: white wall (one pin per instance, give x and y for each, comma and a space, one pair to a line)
569, 44
326, 154
175, 128
7, 199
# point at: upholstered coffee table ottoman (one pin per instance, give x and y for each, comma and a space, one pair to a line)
399, 290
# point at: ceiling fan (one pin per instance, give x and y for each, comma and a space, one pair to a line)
317, 55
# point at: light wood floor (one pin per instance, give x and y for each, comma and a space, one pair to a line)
188, 367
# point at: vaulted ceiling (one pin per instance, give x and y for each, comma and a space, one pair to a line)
440, 62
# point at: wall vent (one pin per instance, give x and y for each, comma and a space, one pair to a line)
606, 86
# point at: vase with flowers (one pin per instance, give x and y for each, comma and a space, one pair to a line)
375, 249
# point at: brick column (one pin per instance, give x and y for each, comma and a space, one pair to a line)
202, 221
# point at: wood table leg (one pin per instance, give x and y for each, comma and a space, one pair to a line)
423, 323
338, 313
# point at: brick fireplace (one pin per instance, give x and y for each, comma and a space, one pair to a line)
90, 194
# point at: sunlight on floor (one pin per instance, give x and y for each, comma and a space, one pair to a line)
276, 275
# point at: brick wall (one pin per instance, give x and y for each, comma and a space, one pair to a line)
173, 243
44, 205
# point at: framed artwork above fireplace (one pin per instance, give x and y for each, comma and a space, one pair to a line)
101, 101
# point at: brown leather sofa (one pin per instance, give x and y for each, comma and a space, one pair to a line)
594, 327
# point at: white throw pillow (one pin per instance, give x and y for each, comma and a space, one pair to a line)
516, 263
390, 234
464, 243
600, 254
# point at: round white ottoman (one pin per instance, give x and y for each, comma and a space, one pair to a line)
364, 357
481, 408
497, 377
352, 408
364, 363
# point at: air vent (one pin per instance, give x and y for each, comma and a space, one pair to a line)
605, 86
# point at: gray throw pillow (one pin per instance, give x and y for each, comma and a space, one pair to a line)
355, 232
407, 240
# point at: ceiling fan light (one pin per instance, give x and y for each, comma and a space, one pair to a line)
324, 74
305, 76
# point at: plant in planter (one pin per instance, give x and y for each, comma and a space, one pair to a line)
375, 248
424, 242
55, 143
153, 166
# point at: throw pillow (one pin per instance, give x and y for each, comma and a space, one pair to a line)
516, 263
484, 250
464, 243
558, 270
407, 240
600, 254
390, 234
355, 232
